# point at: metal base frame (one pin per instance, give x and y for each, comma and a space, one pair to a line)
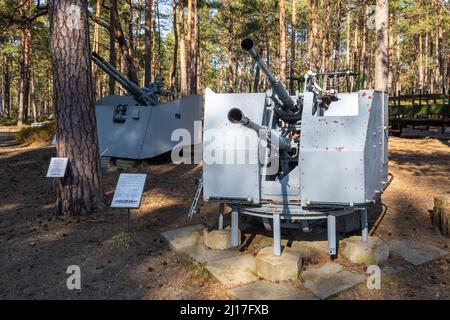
294, 212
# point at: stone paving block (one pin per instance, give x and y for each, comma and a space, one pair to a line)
330, 279
278, 268
219, 239
388, 270
265, 290
202, 254
235, 270
374, 251
311, 248
183, 238
416, 253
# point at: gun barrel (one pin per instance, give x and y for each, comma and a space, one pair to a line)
129, 86
277, 85
236, 115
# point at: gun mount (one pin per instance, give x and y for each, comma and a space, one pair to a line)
332, 158
144, 96
139, 126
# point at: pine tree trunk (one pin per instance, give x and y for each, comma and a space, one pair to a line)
112, 43
420, 61
192, 45
364, 50
174, 73
24, 84
441, 61
33, 97
95, 47
126, 49
313, 53
6, 87
183, 59
80, 191
382, 45
293, 45
283, 46
148, 56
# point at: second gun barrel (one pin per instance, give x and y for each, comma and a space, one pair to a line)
277, 85
236, 115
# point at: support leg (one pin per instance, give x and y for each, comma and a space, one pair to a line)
267, 224
331, 227
364, 225
221, 209
235, 228
276, 235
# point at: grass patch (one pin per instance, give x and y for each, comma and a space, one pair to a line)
36, 134
123, 241
8, 122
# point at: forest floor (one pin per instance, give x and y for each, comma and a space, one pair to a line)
36, 247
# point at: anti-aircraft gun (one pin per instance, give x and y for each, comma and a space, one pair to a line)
138, 126
296, 159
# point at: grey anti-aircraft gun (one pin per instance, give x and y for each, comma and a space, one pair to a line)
138, 126
295, 160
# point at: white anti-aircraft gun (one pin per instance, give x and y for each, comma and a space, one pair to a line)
298, 159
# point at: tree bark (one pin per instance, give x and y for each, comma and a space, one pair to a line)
420, 61
125, 49
174, 73
283, 46
183, 59
33, 97
24, 84
441, 61
148, 56
293, 45
95, 48
364, 51
192, 45
382, 45
6, 86
80, 191
112, 43
313, 53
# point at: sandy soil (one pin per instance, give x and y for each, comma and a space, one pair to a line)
36, 247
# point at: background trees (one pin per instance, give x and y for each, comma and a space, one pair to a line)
195, 44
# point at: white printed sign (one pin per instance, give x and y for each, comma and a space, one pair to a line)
57, 168
129, 190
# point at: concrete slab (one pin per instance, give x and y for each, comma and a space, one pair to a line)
374, 251
183, 238
330, 279
202, 254
188, 241
278, 268
311, 248
219, 239
388, 270
416, 253
234, 271
264, 290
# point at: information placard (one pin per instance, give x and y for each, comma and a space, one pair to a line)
57, 168
129, 190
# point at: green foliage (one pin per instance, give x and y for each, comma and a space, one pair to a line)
36, 134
